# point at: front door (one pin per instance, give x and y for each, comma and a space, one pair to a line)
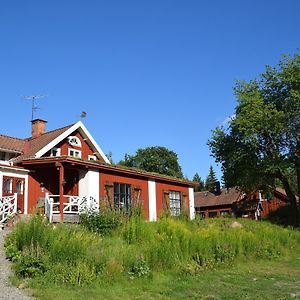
12, 185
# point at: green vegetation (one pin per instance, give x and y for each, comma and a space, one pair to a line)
154, 159
167, 259
261, 144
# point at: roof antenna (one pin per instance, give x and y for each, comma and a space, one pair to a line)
33, 99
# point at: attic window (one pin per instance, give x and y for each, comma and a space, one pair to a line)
74, 141
92, 157
55, 152
74, 153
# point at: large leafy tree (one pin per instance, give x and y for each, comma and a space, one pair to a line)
261, 144
154, 159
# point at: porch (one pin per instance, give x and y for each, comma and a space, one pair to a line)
70, 209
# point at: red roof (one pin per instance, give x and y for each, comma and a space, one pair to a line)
225, 197
9, 143
32, 146
29, 147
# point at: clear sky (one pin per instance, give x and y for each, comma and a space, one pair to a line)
156, 72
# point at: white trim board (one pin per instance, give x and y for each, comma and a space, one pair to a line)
79, 125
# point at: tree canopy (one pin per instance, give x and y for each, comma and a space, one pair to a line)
261, 144
154, 159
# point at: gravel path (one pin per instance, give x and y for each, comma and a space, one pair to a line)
7, 291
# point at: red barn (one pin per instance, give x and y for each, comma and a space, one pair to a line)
68, 171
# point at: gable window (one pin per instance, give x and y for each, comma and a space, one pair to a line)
55, 152
92, 157
74, 141
175, 203
122, 196
74, 153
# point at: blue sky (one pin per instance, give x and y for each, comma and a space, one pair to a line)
146, 72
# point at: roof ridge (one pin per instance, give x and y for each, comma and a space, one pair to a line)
70, 125
12, 137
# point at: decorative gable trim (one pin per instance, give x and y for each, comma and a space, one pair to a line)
79, 125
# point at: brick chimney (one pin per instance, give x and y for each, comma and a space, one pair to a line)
38, 127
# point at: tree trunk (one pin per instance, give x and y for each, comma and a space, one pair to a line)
291, 197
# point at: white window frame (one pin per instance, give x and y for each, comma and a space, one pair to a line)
57, 152
74, 141
175, 202
75, 151
92, 157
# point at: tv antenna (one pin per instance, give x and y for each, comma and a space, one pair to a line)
33, 99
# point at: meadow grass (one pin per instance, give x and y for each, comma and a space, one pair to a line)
150, 257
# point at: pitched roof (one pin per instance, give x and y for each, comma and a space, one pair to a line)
32, 146
226, 197
11, 143
104, 166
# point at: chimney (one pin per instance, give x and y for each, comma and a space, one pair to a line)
38, 127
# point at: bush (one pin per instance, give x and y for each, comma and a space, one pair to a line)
103, 223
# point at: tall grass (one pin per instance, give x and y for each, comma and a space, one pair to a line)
75, 255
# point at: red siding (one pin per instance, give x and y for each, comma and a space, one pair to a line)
85, 149
64, 146
161, 187
142, 183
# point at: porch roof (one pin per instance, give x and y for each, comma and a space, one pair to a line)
106, 167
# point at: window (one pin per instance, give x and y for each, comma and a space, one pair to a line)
7, 185
212, 214
74, 141
19, 186
122, 196
175, 203
55, 152
92, 157
225, 212
74, 153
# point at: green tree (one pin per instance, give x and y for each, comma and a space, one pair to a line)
261, 144
211, 180
198, 179
154, 159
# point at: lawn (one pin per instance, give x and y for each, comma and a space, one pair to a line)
273, 279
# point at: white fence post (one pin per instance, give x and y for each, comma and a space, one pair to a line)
15, 203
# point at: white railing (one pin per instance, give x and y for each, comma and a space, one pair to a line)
8, 207
75, 205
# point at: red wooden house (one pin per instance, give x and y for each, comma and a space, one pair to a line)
232, 201
68, 171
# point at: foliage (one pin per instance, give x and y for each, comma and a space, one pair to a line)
198, 179
72, 256
211, 180
154, 159
103, 223
262, 144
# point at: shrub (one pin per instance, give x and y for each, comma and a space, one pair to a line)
103, 223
